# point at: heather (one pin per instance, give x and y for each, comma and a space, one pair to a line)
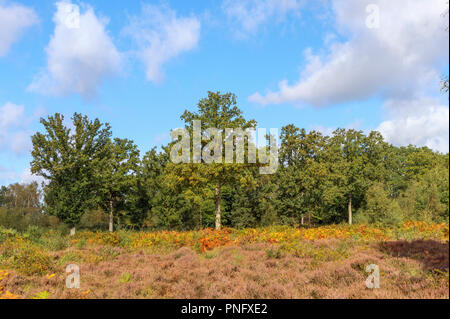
272, 262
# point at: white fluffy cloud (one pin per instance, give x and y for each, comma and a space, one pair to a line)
15, 133
422, 122
14, 19
249, 15
27, 177
80, 54
12, 135
403, 54
15, 138
8, 176
160, 36
10, 114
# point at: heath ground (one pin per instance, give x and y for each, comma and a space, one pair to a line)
276, 262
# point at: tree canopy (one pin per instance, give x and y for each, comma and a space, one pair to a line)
348, 176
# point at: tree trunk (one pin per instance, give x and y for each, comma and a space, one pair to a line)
72, 231
111, 217
302, 221
218, 202
350, 210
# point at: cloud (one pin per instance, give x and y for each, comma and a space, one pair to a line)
9, 176
15, 137
10, 114
80, 54
160, 36
21, 142
11, 117
404, 54
14, 133
27, 177
6, 176
421, 122
14, 19
249, 15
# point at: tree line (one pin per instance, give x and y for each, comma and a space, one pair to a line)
96, 180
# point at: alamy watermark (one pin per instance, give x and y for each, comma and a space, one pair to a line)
73, 279
69, 15
373, 280
373, 18
234, 140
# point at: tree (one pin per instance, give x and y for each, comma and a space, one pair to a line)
321, 179
117, 173
165, 200
21, 207
68, 159
148, 187
379, 207
255, 204
23, 198
3, 190
300, 175
345, 156
427, 197
218, 111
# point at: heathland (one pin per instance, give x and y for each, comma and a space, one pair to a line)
274, 262
335, 205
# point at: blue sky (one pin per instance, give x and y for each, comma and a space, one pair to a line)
139, 64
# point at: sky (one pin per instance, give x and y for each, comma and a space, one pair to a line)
319, 64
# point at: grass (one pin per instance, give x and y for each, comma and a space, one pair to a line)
124, 278
274, 262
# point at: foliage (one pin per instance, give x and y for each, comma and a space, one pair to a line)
208, 239
124, 278
218, 111
22, 255
348, 176
379, 208
42, 295
69, 161
117, 174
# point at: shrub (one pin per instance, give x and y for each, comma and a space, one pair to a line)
63, 229
25, 257
81, 243
94, 220
108, 253
34, 233
379, 208
273, 253
42, 295
11, 218
70, 257
54, 240
124, 278
6, 233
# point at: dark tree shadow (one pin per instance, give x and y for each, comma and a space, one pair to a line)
432, 254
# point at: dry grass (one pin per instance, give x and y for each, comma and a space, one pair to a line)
316, 269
